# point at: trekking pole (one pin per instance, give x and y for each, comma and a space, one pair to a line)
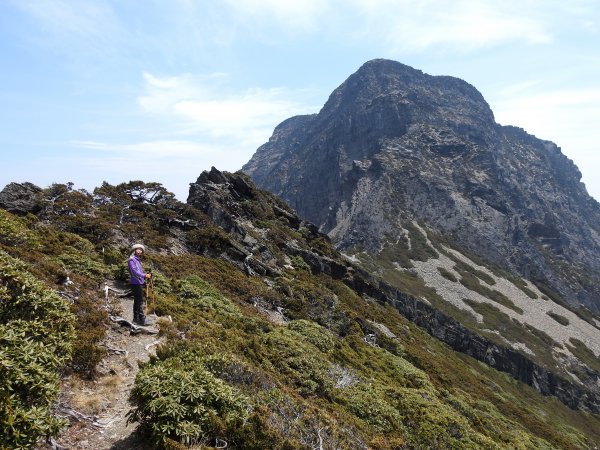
146, 300
153, 293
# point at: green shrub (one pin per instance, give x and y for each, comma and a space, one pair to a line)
200, 294
207, 238
299, 263
465, 269
528, 292
560, 319
298, 361
181, 400
36, 332
314, 334
420, 250
14, 232
83, 264
90, 330
584, 354
369, 403
406, 374
471, 282
431, 423
447, 274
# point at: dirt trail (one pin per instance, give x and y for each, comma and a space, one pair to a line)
103, 402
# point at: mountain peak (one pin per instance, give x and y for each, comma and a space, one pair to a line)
393, 144
396, 94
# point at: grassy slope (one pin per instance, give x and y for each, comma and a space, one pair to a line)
314, 380
417, 248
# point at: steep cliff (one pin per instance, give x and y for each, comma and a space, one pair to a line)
393, 145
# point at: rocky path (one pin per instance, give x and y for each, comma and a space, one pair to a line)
97, 410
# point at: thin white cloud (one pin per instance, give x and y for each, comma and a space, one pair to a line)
289, 16
403, 26
151, 149
417, 25
173, 163
573, 112
516, 88
566, 117
203, 106
72, 23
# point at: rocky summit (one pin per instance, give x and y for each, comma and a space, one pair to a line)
394, 146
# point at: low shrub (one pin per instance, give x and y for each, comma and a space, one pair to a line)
314, 334
179, 399
447, 274
584, 354
420, 250
369, 403
83, 264
299, 263
14, 231
560, 319
299, 363
207, 238
36, 333
471, 282
90, 330
198, 293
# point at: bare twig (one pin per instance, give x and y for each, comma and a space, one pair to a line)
220, 443
320, 447
79, 416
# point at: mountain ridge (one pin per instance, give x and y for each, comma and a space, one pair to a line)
293, 344
393, 142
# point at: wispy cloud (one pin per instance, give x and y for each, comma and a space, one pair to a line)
63, 16
175, 163
567, 117
290, 16
414, 26
404, 25
572, 112
204, 106
149, 149
68, 24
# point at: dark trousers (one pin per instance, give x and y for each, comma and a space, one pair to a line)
138, 301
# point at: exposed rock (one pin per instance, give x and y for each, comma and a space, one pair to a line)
20, 198
232, 201
459, 338
224, 198
393, 144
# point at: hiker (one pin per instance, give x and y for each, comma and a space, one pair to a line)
138, 278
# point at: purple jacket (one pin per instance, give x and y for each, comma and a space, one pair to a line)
136, 271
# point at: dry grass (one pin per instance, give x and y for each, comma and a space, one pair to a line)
92, 397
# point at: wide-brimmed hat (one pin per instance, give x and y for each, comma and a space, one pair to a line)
136, 246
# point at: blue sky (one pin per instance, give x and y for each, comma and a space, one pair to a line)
94, 90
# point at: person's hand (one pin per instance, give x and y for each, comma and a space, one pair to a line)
148, 275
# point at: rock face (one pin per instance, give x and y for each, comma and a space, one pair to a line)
228, 198
20, 198
394, 144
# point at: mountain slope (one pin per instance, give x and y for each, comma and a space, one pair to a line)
393, 145
275, 339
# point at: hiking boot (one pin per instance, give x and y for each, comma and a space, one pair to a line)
141, 321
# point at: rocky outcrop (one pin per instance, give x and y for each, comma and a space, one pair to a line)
394, 144
231, 201
20, 198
